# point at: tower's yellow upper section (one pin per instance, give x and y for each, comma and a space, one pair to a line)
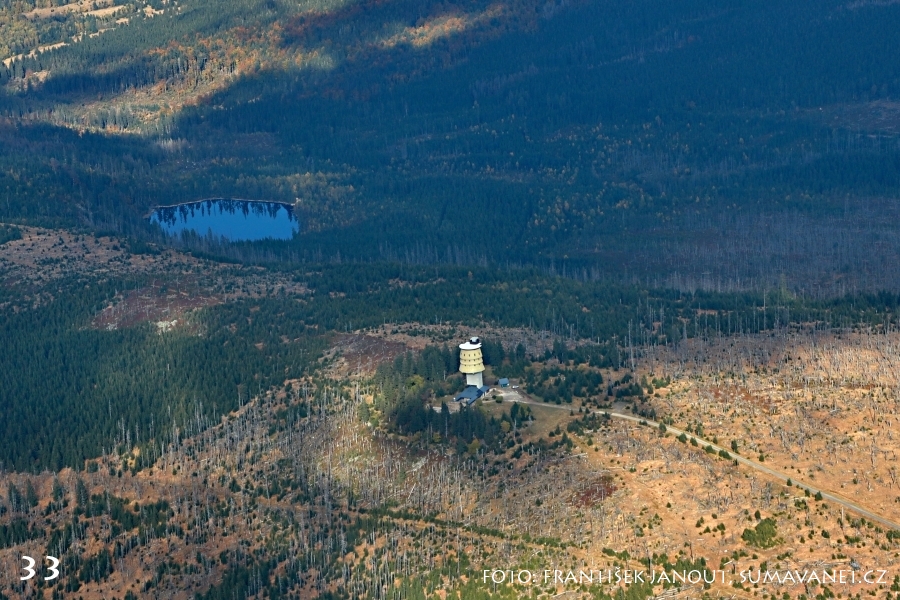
470, 360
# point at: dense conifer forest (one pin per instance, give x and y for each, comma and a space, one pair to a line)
72, 392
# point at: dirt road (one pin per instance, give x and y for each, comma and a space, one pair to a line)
833, 497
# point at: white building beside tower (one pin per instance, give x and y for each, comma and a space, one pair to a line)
471, 363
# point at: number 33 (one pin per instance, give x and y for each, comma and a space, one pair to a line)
30, 568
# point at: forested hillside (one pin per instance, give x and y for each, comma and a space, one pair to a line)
73, 389
693, 144
222, 452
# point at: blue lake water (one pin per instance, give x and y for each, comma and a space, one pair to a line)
234, 220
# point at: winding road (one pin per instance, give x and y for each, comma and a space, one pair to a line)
837, 499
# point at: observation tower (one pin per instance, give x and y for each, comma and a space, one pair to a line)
471, 362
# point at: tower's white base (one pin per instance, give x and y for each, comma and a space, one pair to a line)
474, 379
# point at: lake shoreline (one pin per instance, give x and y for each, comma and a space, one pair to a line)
235, 220
165, 206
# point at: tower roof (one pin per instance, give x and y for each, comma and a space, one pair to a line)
473, 344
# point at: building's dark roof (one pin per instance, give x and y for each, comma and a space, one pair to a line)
470, 393
483, 390
503, 381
